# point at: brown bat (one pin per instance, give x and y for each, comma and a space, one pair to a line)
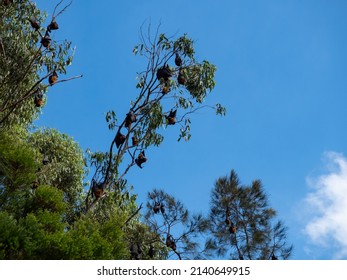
227, 212
181, 79
34, 24
97, 189
46, 41
141, 158
135, 141
178, 60
156, 207
130, 118
232, 228
120, 139
52, 79
52, 26
171, 118
38, 98
164, 73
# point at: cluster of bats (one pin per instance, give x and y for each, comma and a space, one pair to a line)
136, 248
158, 207
163, 75
170, 242
229, 223
45, 42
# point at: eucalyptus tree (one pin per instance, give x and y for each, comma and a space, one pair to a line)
31, 61
173, 85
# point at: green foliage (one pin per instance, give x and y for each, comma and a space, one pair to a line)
200, 80
25, 62
89, 239
64, 166
46, 222
17, 167
48, 198
9, 236
242, 224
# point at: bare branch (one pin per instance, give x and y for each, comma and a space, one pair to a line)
61, 11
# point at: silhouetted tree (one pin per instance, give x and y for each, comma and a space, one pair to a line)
242, 223
175, 226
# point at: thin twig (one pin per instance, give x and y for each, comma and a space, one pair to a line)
59, 13
66, 80
133, 215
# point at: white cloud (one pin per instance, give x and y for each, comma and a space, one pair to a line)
327, 225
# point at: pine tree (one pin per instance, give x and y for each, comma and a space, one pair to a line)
242, 223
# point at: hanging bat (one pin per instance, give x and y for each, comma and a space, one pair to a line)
181, 79
227, 221
38, 98
34, 24
162, 208
171, 118
178, 60
141, 158
156, 207
164, 73
130, 118
232, 229
227, 212
165, 88
151, 251
135, 141
52, 79
273, 257
120, 139
46, 41
52, 26
173, 245
168, 241
97, 189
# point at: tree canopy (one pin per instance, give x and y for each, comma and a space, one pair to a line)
242, 222
60, 202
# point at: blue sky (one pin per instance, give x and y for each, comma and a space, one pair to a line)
281, 73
